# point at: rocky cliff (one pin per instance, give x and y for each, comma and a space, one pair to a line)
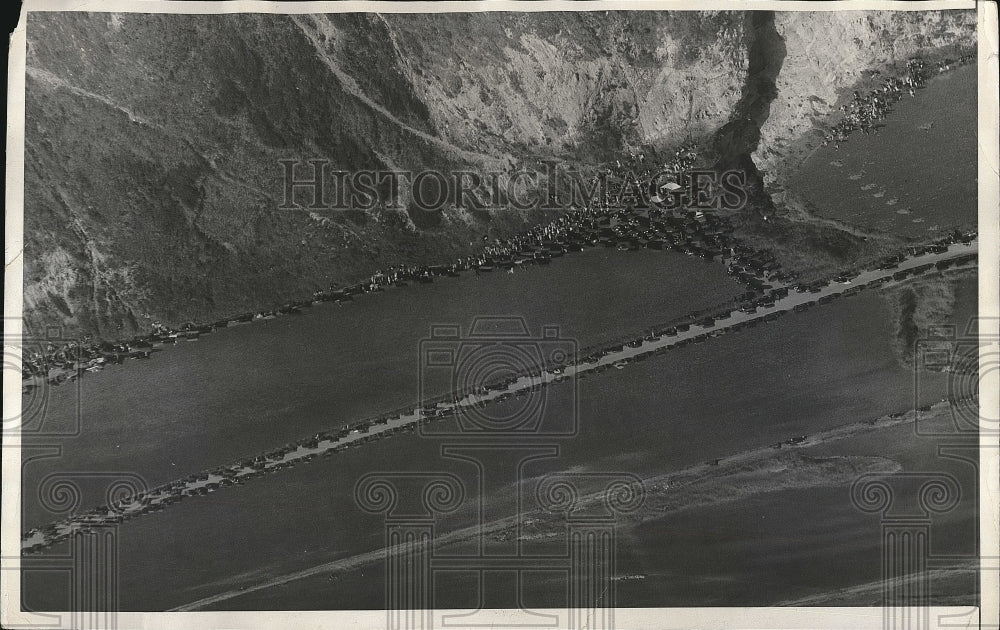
829, 54
154, 142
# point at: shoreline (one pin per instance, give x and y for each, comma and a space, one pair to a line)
609, 224
693, 233
325, 444
801, 148
651, 487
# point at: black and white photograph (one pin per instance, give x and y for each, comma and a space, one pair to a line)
581, 315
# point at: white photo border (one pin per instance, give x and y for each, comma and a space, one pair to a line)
987, 615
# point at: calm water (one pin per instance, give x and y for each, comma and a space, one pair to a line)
806, 372
917, 176
248, 389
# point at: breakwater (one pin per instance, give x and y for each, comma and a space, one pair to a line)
587, 363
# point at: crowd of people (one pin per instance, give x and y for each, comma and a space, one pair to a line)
684, 158
581, 226
609, 222
865, 111
328, 443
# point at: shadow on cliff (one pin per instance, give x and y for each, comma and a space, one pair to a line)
735, 141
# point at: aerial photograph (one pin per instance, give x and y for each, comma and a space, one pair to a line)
559, 312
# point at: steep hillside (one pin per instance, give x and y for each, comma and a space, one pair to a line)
153, 141
828, 56
153, 173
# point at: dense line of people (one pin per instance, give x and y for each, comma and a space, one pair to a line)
330, 442
865, 111
608, 223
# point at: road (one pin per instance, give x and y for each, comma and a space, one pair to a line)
160, 498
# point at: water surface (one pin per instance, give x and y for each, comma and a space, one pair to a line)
916, 177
